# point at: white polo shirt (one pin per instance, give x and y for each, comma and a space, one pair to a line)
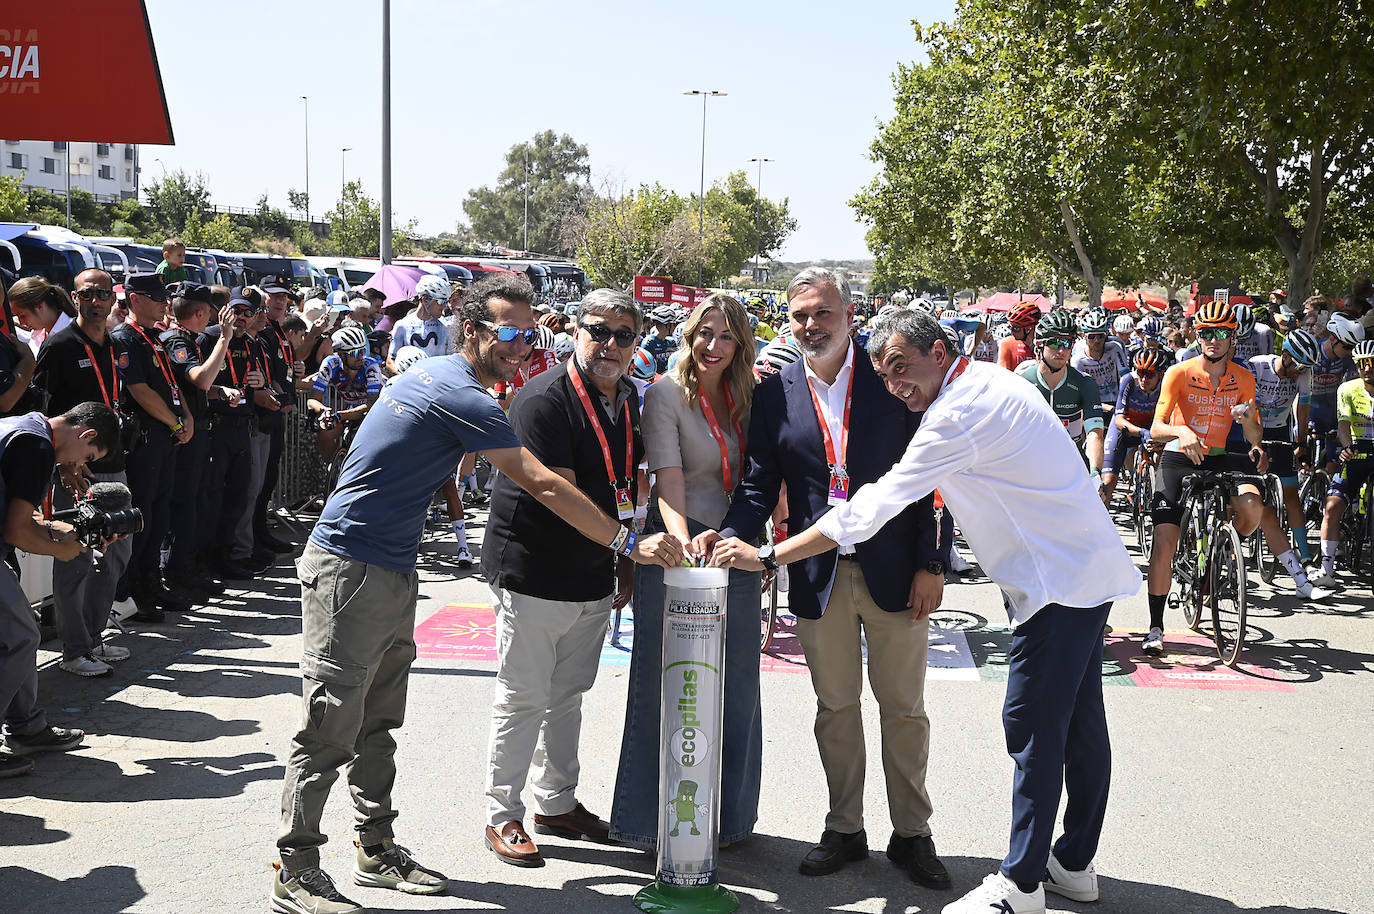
1005, 468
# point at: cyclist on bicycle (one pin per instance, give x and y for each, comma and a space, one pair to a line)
346, 386
1355, 430
1334, 367
1017, 349
1134, 413
1283, 387
1099, 356
1072, 395
1198, 402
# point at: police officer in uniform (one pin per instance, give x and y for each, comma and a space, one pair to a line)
226, 499
195, 372
280, 366
151, 394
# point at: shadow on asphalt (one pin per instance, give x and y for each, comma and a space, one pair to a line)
22, 831
105, 888
73, 777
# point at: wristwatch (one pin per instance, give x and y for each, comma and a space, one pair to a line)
936, 567
766, 557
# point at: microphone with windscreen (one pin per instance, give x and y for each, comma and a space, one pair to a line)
103, 513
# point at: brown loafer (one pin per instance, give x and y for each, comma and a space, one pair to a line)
513, 845
576, 824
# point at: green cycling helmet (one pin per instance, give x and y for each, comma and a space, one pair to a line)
1058, 325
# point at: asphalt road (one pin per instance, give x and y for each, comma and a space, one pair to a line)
1245, 791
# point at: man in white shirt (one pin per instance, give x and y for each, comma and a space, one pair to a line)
1047, 540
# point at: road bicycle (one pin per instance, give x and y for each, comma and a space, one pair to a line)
1355, 522
1141, 498
1210, 563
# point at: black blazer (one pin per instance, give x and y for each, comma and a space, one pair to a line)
785, 445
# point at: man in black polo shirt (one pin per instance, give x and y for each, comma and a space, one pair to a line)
266, 407
280, 359
151, 393
195, 372
225, 497
80, 364
552, 588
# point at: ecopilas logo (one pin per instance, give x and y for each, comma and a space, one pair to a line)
18, 61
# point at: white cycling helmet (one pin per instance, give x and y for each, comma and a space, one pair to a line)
1123, 324
562, 346
349, 339
433, 289
1345, 330
546, 337
408, 356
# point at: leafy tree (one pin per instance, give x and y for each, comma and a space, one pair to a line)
299, 200
173, 199
1277, 95
220, 232
622, 234
355, 226
13, 200
553, 169
744, 224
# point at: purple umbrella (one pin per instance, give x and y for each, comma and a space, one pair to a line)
395, 282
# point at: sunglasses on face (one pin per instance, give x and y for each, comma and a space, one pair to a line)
1095, 337
1056, 344
93, 293
506, 334
1214, 333
600, 333
247, 312
1146, 372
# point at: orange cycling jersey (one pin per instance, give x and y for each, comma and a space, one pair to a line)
1012, 353
1187, 397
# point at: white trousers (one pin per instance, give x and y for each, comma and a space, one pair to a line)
549, 652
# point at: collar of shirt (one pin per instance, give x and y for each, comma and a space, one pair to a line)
832, 402
623, 390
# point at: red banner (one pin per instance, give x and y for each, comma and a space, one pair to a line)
699, 296
83, 71
652, 290
682, 295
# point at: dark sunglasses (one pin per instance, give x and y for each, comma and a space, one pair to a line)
1214, 333
1056, 343
1094, 337
1146, 372
600, 333
248, 312
94, 294
506, 334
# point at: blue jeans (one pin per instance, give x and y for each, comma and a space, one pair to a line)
634, 812
1056, 730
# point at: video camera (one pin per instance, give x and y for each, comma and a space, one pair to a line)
104, 513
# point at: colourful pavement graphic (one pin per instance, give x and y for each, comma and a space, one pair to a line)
961, 648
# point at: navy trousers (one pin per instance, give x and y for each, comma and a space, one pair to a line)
150, 472
1056, 730
192, 460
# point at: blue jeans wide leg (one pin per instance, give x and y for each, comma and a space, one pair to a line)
1056, 732
634, 811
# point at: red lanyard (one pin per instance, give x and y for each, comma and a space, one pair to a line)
959, 368
581, 389
160, 357
836, 460
113, 392
720, 436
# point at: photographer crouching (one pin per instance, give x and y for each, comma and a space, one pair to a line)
31, 446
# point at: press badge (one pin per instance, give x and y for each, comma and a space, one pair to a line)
839, 487
624, 504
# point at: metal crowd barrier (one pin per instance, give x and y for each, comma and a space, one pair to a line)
302, 473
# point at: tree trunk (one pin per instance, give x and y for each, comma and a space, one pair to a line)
1087, 274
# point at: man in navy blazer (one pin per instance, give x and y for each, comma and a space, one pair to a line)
886, 586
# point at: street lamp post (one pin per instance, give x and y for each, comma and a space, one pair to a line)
385, 241
527, 200
307, 159
758, 210
701, 193
343, 186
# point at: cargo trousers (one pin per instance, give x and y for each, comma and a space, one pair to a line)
358, 622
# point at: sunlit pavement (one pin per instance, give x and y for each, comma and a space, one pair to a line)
1233, 790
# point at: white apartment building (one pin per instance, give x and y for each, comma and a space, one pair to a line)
107, 170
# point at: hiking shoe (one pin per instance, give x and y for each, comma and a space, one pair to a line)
50, 739
86, 665
999, 895
394, 868
1079, 885
464, 558
109, 653
13, 766
1154, 643
310, 891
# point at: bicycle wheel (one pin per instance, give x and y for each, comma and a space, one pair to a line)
1312, 496
1188, 566
1143, 505
1226, 593
768, 611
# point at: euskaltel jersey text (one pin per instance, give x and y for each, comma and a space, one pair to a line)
1187, 397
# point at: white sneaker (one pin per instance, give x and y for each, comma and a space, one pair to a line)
1324, 578
957, 563
464, 558
110, 653
1079, 885
86, 665
1309, 591
1153, 643
998, 895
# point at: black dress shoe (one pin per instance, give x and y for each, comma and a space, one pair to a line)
174, 601
835, 850
917, 855
231, 570
261, 560
149, 614
264, 540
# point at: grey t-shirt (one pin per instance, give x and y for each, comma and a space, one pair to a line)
677, 435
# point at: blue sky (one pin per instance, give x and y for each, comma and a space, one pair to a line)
807, 83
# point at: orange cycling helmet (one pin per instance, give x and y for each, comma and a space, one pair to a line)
1151, 360
1216, 314
1024, 315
